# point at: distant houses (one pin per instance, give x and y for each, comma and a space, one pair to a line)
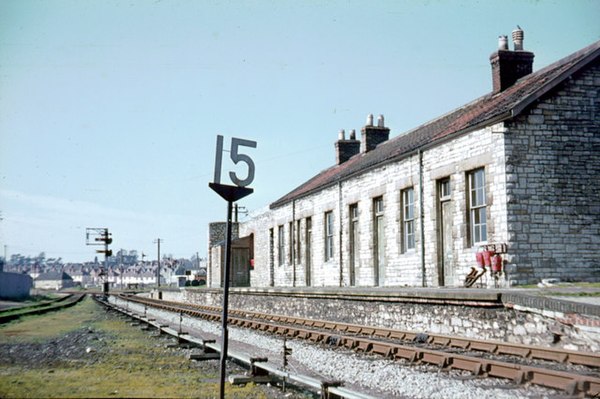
173, 273
53, 281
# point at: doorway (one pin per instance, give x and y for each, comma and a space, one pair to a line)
308, 248
240, 267
445, 240
353, 242
378, 241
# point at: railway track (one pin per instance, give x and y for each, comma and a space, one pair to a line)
260, 368
433, 349
40, 308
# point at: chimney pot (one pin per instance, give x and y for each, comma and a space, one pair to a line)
518, 35
510, 66
502, 42
372, 136
346, 149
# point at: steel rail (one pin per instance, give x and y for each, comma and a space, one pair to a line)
60, 303
327, 390
490, 346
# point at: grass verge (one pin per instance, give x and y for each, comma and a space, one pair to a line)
126, 362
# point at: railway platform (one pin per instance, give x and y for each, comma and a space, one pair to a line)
566, 299
566, 316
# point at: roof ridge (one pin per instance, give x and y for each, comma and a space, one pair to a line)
488, 108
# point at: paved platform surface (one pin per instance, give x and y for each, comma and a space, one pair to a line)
564, 298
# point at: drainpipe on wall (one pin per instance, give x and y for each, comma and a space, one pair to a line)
340, 244
422, 218
293, 243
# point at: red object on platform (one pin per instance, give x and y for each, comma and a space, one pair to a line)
496, 263
487, 257
479, 257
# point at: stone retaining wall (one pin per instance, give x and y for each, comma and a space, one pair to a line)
515, 323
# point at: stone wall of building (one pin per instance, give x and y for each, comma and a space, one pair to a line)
217, 232
259, 223
453, 160
552, 167
401, 266
540, 199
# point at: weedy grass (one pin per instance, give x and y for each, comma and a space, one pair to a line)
134, 365
30, 303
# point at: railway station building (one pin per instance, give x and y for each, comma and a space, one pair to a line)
515, 171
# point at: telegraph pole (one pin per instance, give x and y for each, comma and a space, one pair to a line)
121, 268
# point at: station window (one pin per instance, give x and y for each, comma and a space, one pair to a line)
328, 235
378, 240
477, 206
298, 242
280, 246
271, 257
291, 243
408, 219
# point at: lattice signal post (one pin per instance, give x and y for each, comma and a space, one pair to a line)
100, 236
230, 194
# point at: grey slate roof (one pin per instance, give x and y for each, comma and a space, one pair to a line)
53, 276
484, 111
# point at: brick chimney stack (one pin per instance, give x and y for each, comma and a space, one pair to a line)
372, 136
510, 66
346, 149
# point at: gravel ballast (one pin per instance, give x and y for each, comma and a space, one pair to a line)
366, 373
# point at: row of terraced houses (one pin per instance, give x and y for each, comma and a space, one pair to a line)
517, 167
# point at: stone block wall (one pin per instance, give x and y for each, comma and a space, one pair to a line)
453, 160
217, 232
552, 169
527, 326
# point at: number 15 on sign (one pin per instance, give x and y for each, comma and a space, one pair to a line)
236, 156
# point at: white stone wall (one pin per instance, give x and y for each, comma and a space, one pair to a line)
453, 159
214, 276
386, 182
259, 224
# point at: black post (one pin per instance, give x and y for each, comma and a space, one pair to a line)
225, 332
230, 194
105, 283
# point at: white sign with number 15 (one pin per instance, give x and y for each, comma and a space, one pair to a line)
236, 156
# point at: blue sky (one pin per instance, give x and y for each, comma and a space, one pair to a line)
109, 110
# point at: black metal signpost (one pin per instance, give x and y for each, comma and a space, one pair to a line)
230, 194
101, 236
